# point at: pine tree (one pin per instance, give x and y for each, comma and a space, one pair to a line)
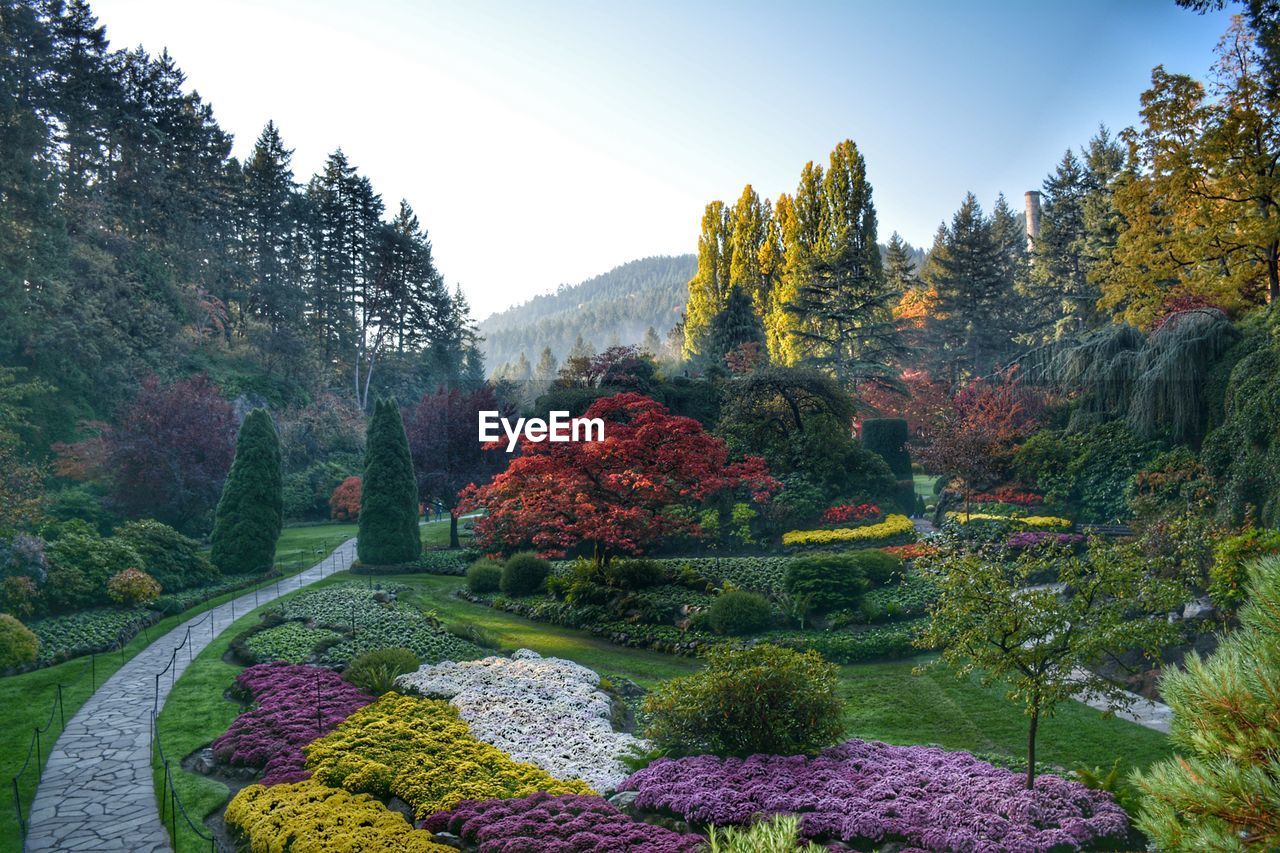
389, 492
1222, 792
734, 325
547, 365
270, 240
651, 343
250, 514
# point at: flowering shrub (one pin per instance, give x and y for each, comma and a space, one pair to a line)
344, 503
1036, 538
546, 711
1008, 495
132, 586
1042, 522
891, 528
850, 512
873, 793
556, 824
293, 706
912, 551
420, 751
307, 816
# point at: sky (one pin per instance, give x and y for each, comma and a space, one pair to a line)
543, 143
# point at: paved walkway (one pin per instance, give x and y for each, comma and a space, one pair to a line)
1145, 712
96, 793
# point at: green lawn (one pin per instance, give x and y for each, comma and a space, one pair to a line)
883, 701
26, 699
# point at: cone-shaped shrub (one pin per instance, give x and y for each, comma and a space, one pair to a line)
389, 493
888, 437
251, 511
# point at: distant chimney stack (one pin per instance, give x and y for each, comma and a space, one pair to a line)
1033, 218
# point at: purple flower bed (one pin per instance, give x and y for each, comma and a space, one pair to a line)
1032, 538
284, 719
862, 792
543, 823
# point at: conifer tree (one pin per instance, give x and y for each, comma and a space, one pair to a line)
389, 492
1222, 792
250, 514
734, 325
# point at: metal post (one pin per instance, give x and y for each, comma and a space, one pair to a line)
39, 753
62, 718
17, 804
93, 675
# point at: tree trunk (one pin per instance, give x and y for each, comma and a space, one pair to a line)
453, 530
1031, 747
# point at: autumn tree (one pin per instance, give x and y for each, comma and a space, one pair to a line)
1039, 642
250, 513
614, 496
441, 430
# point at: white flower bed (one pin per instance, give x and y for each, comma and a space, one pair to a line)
546, 711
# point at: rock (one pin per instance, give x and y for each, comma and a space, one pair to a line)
448, 839
204, 763
626, 688
1201, 608
623, 799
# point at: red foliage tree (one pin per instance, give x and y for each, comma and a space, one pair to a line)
614, 494
446, 455
925, 403
167, 455
344, 503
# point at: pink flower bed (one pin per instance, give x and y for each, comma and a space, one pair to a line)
293, 705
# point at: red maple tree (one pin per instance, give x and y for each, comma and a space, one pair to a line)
616, 494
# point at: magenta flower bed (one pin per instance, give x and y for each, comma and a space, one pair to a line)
543, 823
1033, 538
862, 792
293, 705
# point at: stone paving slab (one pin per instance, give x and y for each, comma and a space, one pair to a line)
96, 793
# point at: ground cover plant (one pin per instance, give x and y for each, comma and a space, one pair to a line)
292, 706
544, 711
873, 793
894, 530
556, 824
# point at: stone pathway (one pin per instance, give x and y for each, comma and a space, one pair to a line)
1145, 712
96, 793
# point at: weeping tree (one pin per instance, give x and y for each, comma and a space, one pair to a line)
1157, 382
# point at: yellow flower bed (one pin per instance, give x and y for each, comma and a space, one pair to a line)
420, 751
1040, 522
307, 817
892, 527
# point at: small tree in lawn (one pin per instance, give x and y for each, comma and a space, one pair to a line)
446, 455
1040, 642
251, 511
344, 503
389, 495
1223, 791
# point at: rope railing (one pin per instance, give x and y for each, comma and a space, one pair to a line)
171, 803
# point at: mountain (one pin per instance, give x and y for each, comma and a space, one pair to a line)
616, 307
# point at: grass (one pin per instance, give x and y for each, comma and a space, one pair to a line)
26, 699
883, 701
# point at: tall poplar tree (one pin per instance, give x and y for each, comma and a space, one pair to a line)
250, 513
389, 492
709, 286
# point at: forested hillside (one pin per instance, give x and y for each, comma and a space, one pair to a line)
132, 243
617, 307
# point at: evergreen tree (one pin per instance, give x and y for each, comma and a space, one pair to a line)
651, 343
734, 325
251, 512
389, 492
270, 232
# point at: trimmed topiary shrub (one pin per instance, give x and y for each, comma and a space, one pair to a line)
524, 574
376, 671
484, 576
878, 567
389, 493
761, 699
17, 644
738, 612
828, 581
251, 511
887, 437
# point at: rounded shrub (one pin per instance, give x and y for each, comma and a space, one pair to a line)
738, 612
762, 699
132, 587
828, 581
878, 567
524, 574
376, 671
18, 645
635, 574
174, 560
484, 576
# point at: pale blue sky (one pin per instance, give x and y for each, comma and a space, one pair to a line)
546, 142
